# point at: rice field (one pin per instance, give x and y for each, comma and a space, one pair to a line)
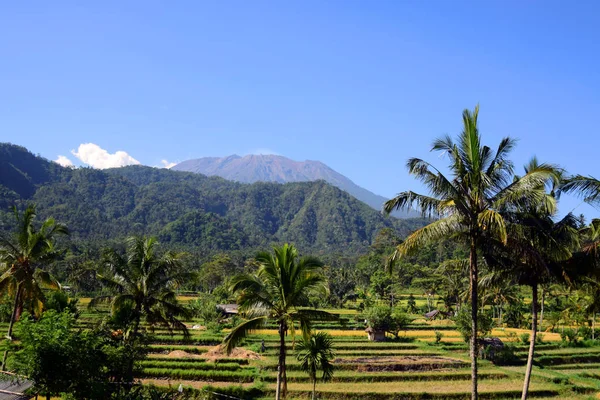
413, 367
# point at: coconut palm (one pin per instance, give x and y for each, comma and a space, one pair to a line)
498, 290
584, 186
22, 262
536, 248
144, 283
315, 354
281, 285
468, 202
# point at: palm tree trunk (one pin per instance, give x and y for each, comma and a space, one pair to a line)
13, 318
474, 307
542, 309
281, 376
534, 295
314, 394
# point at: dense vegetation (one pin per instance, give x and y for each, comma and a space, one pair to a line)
189, 210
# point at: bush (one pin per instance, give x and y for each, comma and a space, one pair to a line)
569, 336
463, 323
524, 338
539, 338
438, 336
504, 356
60, 301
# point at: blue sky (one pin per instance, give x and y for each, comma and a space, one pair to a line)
359, 85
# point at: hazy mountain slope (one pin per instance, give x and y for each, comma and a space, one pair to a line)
272, 168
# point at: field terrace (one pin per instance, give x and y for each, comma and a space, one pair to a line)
413, 367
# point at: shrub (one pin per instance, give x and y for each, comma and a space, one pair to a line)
438, 336
569, 336
539, 338
463, 323
524, 338
504, 356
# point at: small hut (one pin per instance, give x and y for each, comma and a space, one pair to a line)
14, 387
227, 310
488, 347
432, 314
375, 336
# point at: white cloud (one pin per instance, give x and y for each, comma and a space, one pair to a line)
168, 165
97, 157
64, 161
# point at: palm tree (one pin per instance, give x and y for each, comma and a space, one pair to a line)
499, 290
536, 247
468, 203
282, 284
315, 353
584, 186
536, 258
145, 283
22, 259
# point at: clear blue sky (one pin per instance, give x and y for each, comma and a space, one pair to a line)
359, 85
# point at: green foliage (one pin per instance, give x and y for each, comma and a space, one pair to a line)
524, 338
315, 353
382, 318
569, 336
514, 315
411, 305
206, 214
88, 360
143, 285
463, 323
60, 301
438, 336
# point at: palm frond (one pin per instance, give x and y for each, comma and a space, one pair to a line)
240, 332
583, 186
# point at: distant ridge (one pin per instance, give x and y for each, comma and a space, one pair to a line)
274, 168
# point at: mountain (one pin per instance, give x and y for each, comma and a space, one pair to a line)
192, 211
273, 168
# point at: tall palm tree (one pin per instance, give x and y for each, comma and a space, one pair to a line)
315, 354
22, 262
468, 202
536, 248
282, 284
534, 256
144, 282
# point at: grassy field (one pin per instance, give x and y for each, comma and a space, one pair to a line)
412, 368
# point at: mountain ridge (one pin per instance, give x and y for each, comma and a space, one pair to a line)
189, 210
276, 168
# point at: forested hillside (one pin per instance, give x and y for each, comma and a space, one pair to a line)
190, 210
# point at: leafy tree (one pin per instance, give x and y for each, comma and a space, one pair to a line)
381, 284
468, 202
315, 353
382, 318
23, 259
283, 283
53, 341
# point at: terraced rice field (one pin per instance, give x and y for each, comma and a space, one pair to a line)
412, 368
